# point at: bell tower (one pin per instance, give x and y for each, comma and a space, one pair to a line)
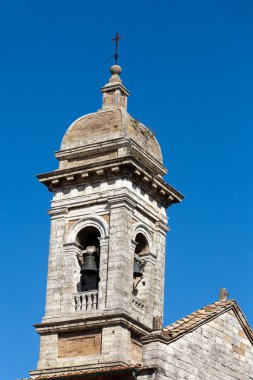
105, 284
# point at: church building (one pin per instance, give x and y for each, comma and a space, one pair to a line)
105, 287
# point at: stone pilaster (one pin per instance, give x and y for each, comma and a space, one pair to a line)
160, 241
70, 277
120, 259
103, 272
55, 263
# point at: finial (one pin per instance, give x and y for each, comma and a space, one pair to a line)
116, 39
223, 295
115, 71
114, 93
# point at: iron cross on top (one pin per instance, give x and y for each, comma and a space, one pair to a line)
116, 39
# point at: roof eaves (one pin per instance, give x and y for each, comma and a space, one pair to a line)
198, 318
137, 368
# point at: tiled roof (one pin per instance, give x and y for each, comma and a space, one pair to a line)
169, 333
93, 371
201, 316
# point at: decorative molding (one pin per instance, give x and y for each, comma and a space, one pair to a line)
58, 212
122, 201
161, 227
88, 221
72, 245
157, 322
133, 244
141, 228
130, 165
149, 257
103, 241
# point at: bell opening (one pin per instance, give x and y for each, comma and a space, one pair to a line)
88, 239
141, 248
142, 244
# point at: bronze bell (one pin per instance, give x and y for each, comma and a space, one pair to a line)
89, 265
137, 266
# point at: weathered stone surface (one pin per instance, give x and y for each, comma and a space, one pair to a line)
110, 181
79, 344
107, 199
218, 349
108, 125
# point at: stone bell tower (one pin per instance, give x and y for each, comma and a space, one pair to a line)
105, 283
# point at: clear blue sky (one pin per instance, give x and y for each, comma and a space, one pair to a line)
188, 65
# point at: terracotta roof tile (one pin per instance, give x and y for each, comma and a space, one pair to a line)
92, 371
196, 318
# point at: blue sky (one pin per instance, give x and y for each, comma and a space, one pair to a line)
188, 65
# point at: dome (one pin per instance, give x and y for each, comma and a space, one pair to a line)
108, 125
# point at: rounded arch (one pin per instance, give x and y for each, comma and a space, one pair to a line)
89, 221
140, 228
88, 236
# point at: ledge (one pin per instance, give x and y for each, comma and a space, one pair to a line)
126, 166
98, 319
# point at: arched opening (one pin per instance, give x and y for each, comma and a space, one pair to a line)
88, 240
88, 236
141, 248
142, 244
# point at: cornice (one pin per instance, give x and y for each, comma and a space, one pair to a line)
122, 200
88, 150
117, 168
104, 371
58, 212
132, 149
80, 323
115, 86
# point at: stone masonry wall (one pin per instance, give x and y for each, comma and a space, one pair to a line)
160, 239
55, 265
120, 260
75, 344
217, 350
116, 265
85, 348
115, 211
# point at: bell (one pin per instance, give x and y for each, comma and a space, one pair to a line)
89, 265
137, 266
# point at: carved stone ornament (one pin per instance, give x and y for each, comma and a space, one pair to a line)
223, 295
157, 322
